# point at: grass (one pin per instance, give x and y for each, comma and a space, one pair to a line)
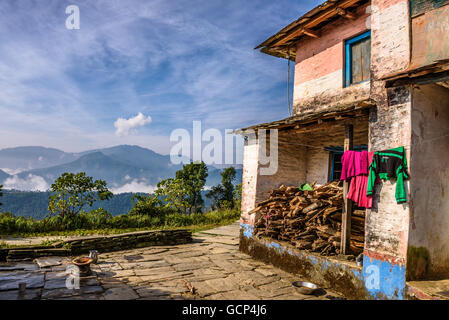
193, 228
84, 232
103, 223
207, 221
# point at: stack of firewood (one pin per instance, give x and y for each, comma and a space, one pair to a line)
309, 220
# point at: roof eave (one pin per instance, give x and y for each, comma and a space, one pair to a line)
271, 47
302, 119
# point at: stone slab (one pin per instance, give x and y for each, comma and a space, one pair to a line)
120, 293
48, 262
32, 280
32, 294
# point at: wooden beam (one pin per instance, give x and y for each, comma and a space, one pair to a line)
321, 17
426, 79
344, 13
311, 33
330, 125
347, 208
344, 117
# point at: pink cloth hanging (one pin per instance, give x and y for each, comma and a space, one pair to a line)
347, 165
359, 183
361, 163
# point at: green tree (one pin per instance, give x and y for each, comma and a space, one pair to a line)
193, 178
215, 193
227, 179
1, 192
183, 193
172, 194
70, 193
238, 196
145, 205
223, 195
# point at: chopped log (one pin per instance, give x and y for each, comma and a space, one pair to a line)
303, 244
313, 206
319, 244
310, 220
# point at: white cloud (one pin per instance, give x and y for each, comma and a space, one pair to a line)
30, 183
134, 186
62, 88
13, 171
124, 126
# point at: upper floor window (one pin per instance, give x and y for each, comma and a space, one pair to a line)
357, 54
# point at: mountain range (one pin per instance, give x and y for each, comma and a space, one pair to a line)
125, 168
3, 175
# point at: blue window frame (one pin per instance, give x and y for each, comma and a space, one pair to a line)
357, 58
335, 164
335, 170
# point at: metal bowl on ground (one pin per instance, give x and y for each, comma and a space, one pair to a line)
305, 287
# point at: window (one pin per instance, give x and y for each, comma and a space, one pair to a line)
357, 54
335, 165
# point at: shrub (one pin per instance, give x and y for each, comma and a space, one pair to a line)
147, 206
101, 219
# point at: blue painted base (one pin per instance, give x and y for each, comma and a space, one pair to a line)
384, 280
379, 279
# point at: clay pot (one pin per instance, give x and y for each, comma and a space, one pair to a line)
83, 263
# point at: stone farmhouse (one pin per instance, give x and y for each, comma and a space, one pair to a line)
369, 75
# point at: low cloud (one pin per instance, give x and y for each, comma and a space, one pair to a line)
13, 171
30, 183
134, 186
125, 126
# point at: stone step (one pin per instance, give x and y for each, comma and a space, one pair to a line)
23, 255
107, 243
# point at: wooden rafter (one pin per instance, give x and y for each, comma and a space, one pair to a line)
310, 23
336, 115
282, 44
330, 125
311, 33
344, 13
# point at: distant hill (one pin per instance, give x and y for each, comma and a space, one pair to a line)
100, 166
25, 158
3, 176
34, 204
138, 157
125, 168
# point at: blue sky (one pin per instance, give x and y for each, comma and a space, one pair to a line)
172, 61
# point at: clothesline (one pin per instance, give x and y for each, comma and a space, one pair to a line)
406, 147
302, 145
384, 165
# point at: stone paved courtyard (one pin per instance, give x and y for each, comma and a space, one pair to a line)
209, 268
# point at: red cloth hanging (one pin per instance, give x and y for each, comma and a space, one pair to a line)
355, 167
